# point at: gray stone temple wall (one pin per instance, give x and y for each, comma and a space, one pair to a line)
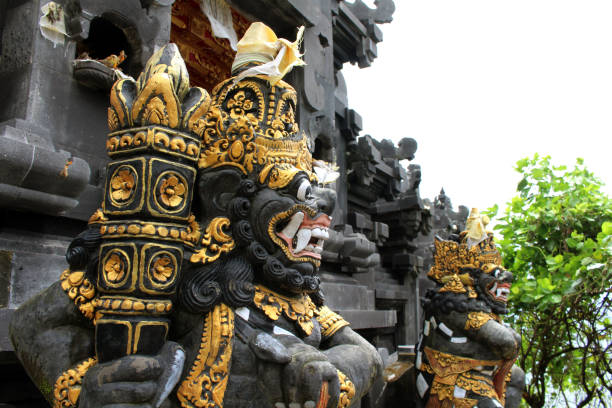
52, 158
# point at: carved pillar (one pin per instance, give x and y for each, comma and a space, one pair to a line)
145, 219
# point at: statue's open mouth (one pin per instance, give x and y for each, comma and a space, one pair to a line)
300, 235
500, 291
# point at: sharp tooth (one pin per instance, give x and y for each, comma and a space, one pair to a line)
309, 247
320, 242
494, 288
291, 228
317, 250
317, 233
303, 236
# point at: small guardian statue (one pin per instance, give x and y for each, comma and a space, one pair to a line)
465, 356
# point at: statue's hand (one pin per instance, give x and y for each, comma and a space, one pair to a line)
135, 381
294, 373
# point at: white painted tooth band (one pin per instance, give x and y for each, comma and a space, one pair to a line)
303, 236
295, 222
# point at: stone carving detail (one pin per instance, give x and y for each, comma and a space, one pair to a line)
465, 355
239, 275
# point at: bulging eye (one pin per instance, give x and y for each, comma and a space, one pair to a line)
497, 273
304, 190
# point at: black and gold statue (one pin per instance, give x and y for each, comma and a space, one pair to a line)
465, 357
196, 283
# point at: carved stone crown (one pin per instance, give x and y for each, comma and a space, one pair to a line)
451, 256
162, 97
251, 126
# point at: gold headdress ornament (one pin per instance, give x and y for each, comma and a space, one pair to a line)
476, 250
275, 56
251, 123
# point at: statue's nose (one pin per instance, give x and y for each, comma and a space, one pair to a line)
325, 199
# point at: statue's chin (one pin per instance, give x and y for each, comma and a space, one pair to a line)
305, 268
498, 307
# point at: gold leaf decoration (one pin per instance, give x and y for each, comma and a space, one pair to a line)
172, 191
80, 290
122, 185
347, 390
299, 309
207, 380
157, 103
476, 320
97, 216
114, 268
67, 387
163, 267
215, 241
330, 321
236, 133
450, 257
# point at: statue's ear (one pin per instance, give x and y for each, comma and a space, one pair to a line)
216, 188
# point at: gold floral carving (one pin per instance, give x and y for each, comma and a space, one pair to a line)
299, 309
250, 89
68, 385
122, 185
114, 268
476, 320
80, 290
172, 191
207, 380
347, 390
215, 241
239, 105
163, 267
330, 321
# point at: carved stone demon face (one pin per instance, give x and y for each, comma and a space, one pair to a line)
292, 223
252, 150
493, 284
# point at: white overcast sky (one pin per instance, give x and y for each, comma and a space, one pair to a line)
481, 84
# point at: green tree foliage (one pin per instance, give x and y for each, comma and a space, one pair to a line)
557, 240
